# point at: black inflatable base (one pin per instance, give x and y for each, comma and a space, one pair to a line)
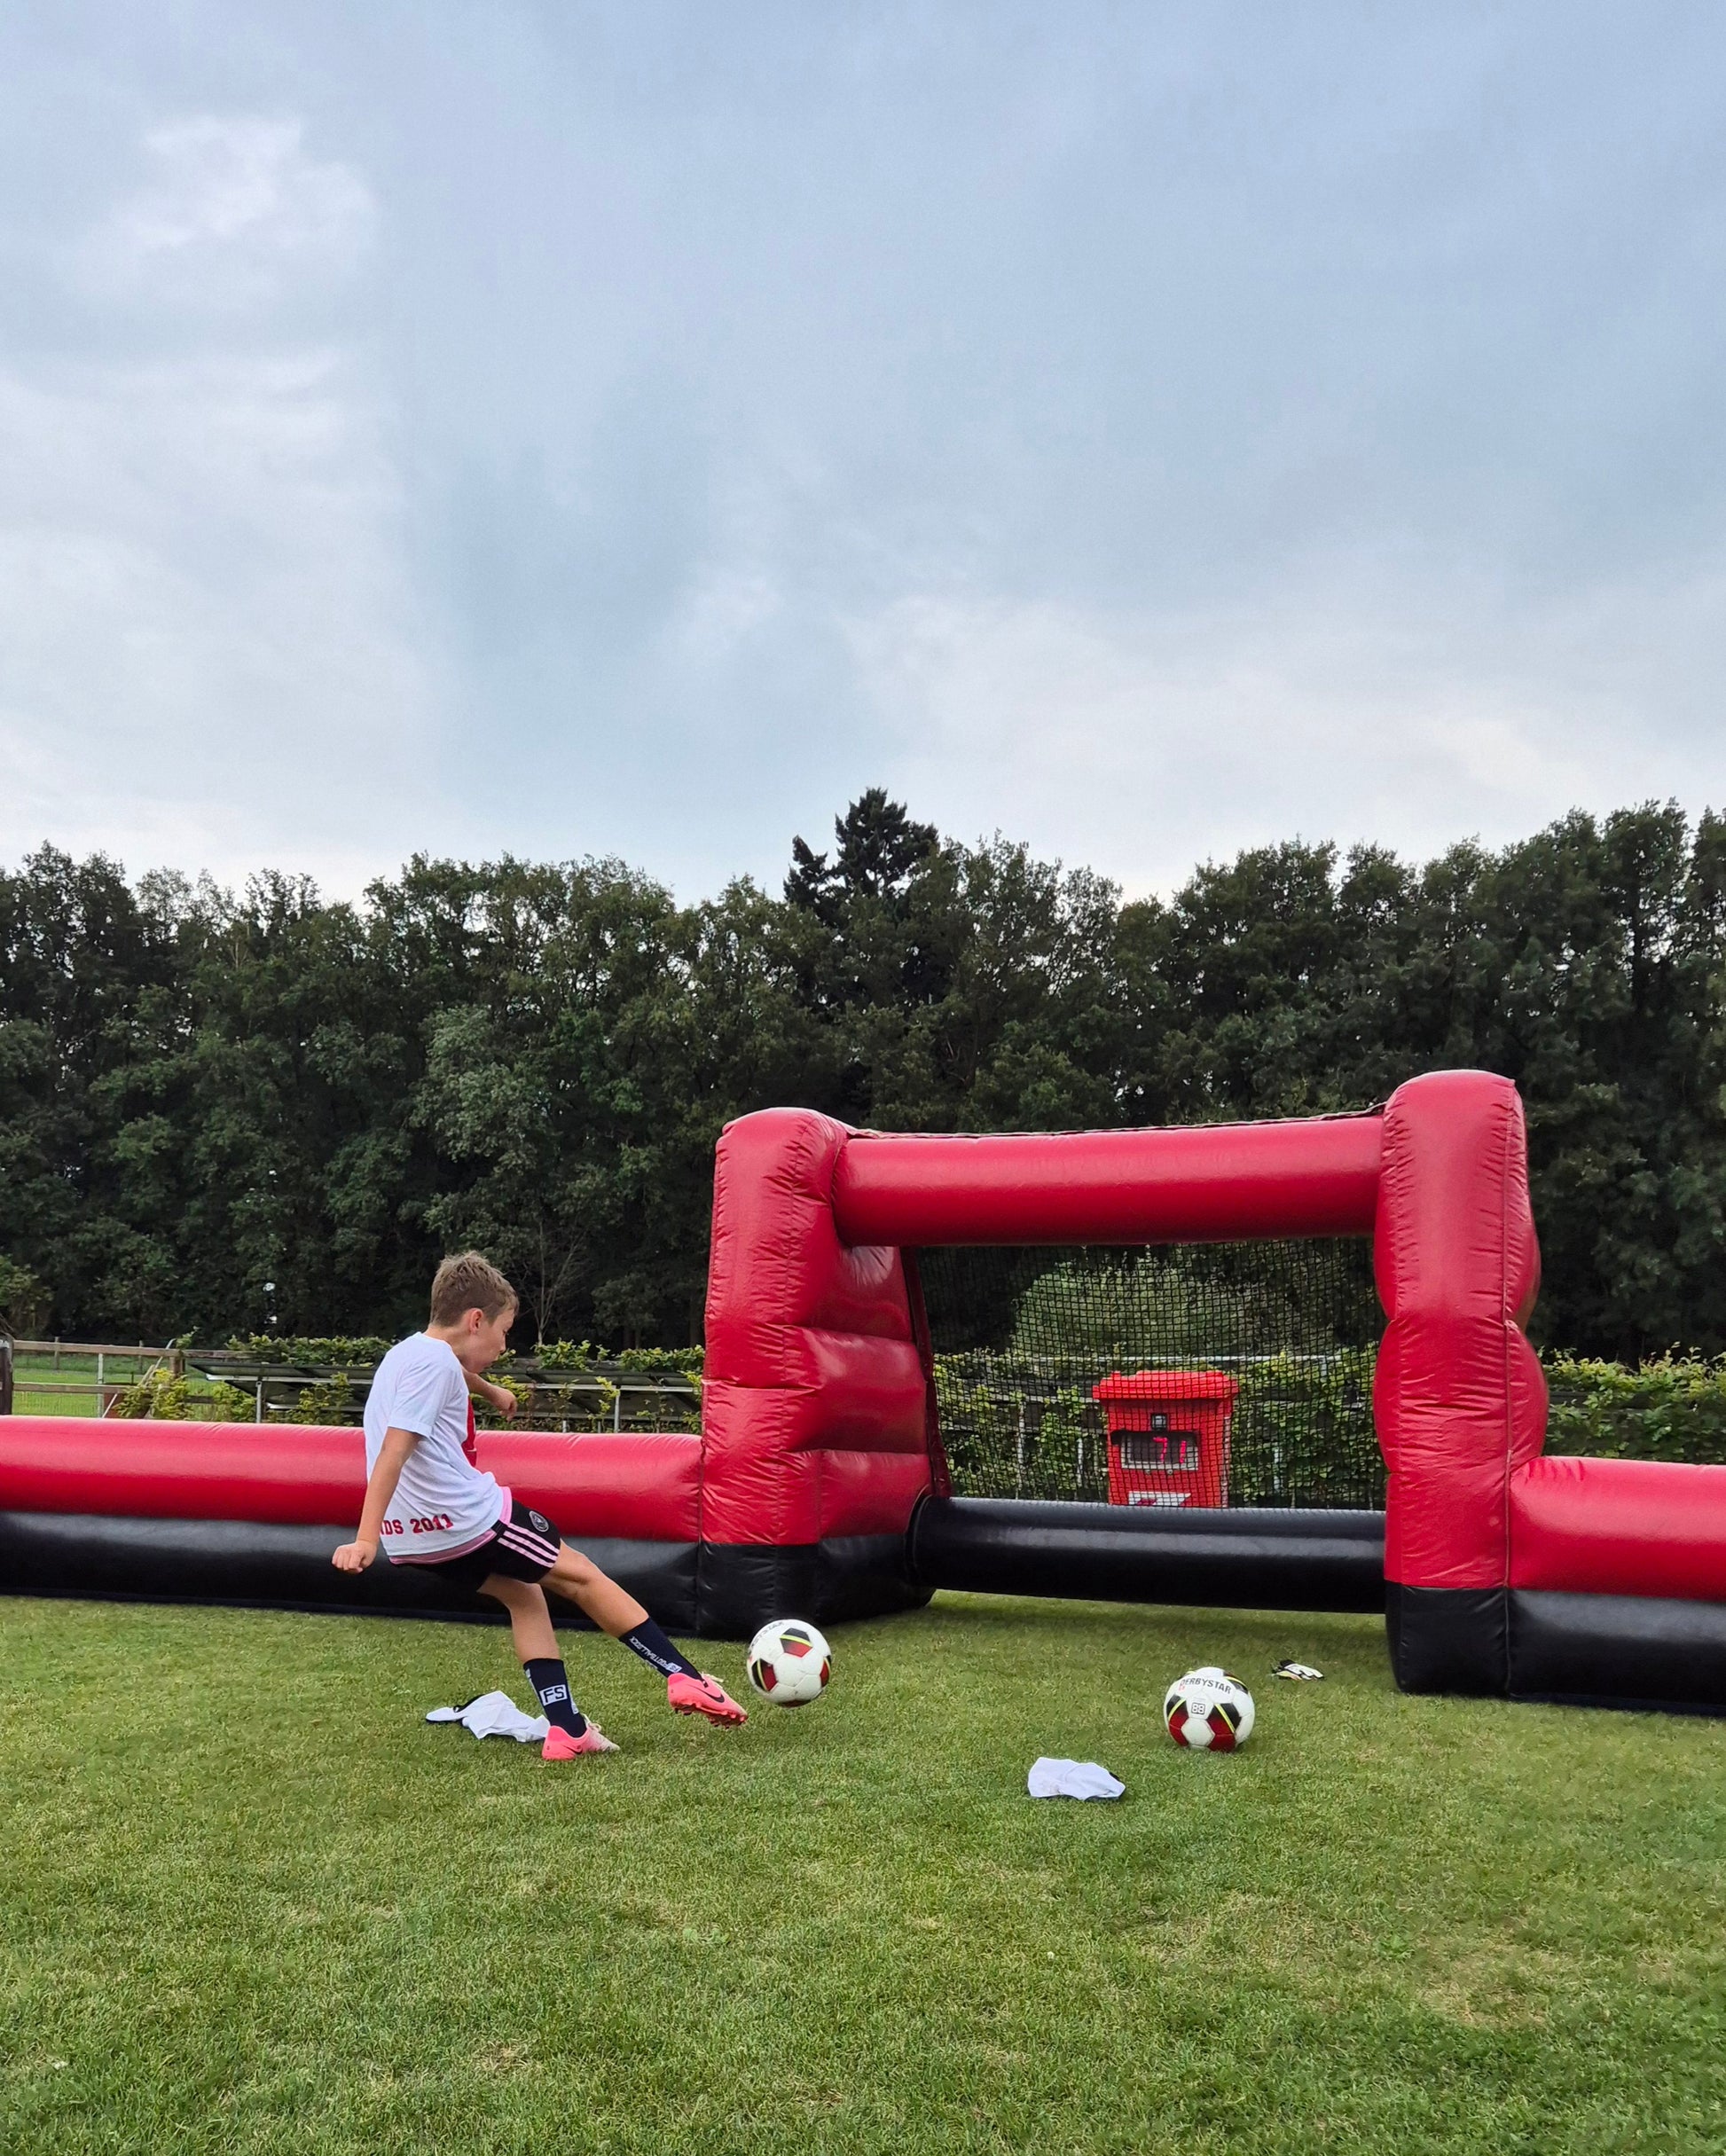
1611, 1650
711, 1590
1449, 1639
1247, 1558
248, 1565
1605, 1651
1240, 1559
741, 1586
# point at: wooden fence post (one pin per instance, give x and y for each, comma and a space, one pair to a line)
5, 1375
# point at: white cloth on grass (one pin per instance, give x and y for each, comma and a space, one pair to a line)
495, 1714
1073, 1778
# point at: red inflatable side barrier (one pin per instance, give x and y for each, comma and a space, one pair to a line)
636, 1488
182, 1471
1619, 1527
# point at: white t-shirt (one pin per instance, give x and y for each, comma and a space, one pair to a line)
443, 1506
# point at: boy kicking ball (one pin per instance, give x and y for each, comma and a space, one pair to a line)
428, 1502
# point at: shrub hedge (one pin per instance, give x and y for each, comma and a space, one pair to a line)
162, 1396
1672, 1408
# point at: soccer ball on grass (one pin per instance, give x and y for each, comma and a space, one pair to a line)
1207, 1710
789, 1662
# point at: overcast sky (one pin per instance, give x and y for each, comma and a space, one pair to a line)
1146, 430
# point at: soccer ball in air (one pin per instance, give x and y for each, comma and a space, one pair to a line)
789, 1662
1207, 1710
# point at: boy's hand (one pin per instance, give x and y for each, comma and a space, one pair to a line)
354, 1556
503, 1400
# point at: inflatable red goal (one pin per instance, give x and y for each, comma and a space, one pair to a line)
818, 1485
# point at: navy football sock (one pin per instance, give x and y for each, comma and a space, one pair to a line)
652, 1645
551, 1683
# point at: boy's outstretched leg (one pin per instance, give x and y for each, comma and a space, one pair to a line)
571, 1734
616, 1610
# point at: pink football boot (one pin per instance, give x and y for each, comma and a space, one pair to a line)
706, 1696
559, 1744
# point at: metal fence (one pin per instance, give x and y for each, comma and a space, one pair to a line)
94, 1378
75, 1377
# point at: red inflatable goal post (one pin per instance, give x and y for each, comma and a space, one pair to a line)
818, 1424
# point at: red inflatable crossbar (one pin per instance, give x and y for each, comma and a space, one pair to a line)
1217, 1183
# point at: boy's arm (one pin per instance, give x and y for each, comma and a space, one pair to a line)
381, 1488
500, 1397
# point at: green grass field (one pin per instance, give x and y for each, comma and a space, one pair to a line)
37, 1386
42, 1388
251, 1902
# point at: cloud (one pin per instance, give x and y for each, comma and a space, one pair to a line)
1138, 433
211, 652
1342, 703
207, 649
234, 213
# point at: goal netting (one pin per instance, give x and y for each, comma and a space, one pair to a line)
1022, 1338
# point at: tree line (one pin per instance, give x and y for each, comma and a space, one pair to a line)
231, 1113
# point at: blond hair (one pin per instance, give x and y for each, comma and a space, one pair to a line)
468, 1281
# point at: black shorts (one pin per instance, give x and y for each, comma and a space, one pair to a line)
522, 1546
